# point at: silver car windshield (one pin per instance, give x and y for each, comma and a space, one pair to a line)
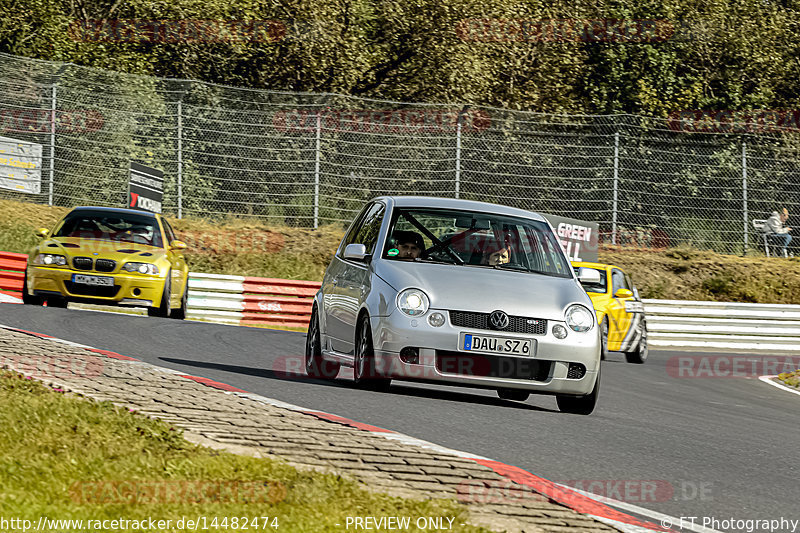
472, 239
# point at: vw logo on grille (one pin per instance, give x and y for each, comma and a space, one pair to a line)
498, 320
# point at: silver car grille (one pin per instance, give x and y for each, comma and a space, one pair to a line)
516, 324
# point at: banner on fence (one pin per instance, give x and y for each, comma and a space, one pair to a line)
578, 238
20, 166
145, 188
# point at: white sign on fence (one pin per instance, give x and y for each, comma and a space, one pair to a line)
20, 166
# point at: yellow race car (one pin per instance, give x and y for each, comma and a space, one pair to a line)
619, 310
109, 256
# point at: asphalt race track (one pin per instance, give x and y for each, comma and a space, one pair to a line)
724, 448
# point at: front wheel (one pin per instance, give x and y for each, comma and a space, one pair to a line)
29, 299
364, 368
180, 313
164, 309
580, 405
639, 355
316, 366
604, 340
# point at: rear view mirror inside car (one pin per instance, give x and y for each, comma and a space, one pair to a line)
472, 223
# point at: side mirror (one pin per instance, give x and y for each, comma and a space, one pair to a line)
623, 293
177, 245
356, 252
42, 233
588, 275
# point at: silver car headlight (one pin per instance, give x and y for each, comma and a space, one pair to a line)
141, 268
413, 302
50, 260
579, 318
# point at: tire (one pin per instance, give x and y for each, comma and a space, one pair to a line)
163, 310
604, 339
515, 395
580, 405
29, 299
364, 370
316, 366
180, 313
639, 355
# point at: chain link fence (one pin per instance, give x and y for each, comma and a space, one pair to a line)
304, 159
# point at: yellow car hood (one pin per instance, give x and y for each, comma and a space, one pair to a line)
116, 250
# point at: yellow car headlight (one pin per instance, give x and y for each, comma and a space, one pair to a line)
141, 268
50, 260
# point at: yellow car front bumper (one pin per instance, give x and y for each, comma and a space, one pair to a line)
133, 289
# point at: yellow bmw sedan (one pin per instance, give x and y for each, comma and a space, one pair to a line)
109, 256
619, 310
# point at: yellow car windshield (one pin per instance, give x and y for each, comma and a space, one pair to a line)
111, 227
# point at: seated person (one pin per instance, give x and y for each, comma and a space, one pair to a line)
409, 245
495, 254
776, 229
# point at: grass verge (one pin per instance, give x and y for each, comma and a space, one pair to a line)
248, 248
66, 458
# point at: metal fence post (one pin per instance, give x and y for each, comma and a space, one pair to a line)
616, 189
52, 143
316, 170
180, 158
458, 156
744, 196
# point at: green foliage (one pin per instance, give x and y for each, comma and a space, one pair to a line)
713, 55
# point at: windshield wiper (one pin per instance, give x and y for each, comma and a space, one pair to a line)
435, 261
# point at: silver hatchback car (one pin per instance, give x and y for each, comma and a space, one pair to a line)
457, 292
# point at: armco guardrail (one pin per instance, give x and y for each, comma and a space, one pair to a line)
12, 273
250, 301
749, 327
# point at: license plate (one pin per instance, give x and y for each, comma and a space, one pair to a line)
471, 342
100, 281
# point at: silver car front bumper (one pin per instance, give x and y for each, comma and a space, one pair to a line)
393, 333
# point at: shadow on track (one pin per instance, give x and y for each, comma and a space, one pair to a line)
344, 383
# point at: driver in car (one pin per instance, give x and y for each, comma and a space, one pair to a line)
496, 254
409, 244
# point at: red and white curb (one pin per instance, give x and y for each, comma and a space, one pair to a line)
6, 298
597, 507
769, 381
